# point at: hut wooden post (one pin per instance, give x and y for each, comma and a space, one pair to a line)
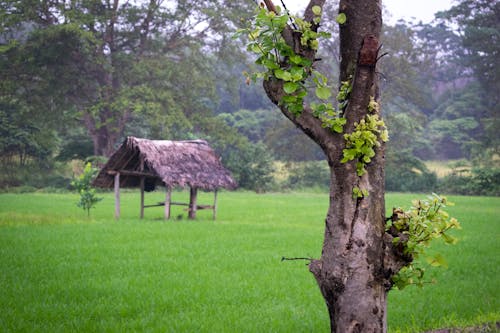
117, 195
215, 204
193, 192
141, 169
168, 199
142, 197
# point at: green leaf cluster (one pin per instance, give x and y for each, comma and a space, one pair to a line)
83, 184
309, 37
361, 143
358, 193
281, 62
416, 228
331, 118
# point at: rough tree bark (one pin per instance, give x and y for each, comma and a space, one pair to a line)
358, 258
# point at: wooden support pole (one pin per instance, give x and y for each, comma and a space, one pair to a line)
117, 195
141, 169
215, 204
193, 192
142, 198
168, 200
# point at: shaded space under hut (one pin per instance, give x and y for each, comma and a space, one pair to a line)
147, 164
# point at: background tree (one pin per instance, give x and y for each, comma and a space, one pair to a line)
477, 27
111, 62
173, 76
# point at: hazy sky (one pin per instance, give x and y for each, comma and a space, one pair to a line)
422, 9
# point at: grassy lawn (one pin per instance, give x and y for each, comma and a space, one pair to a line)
63, 272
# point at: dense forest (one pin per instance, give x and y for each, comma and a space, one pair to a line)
77, 77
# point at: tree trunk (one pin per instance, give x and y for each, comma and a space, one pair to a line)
357, 258
103, 142
350, 272
105, 136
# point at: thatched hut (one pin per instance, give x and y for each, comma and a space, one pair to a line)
148, 163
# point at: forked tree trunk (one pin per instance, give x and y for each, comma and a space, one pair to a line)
350, 272
357, 259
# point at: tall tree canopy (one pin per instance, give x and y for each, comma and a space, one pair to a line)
110, 62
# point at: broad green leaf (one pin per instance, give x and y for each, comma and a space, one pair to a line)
316, 10
449, 239
281, 20
306, 62
349, 155
289, 99
341, 18
283, 75
290, 87
297, 73
296, 108
295, 59
302, 93
319, 78
437, 260
323, 92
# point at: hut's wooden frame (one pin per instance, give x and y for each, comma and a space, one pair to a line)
140, 160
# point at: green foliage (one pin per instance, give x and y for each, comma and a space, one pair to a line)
279, 137
341, 18
361, 143
358, 193
266, 40
253, 124
331, 118
310, 174
250, 163
83, 185
414, 230
481, 180
479, 35
93, 65
406, 173
252, 167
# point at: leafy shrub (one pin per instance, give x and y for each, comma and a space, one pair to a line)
480, 181
18, 189
308, 174
406, 173
83, 184
413, 230
251, 166
32, 176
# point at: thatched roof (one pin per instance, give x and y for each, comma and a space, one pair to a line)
172, 163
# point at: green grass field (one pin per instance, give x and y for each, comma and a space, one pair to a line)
63, 272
